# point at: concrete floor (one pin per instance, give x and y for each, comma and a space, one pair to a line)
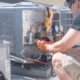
18, 77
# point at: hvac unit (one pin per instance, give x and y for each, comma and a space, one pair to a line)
11, 23
62, 17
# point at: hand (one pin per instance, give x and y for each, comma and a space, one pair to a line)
42, 44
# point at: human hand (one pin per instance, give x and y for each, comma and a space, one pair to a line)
42, 44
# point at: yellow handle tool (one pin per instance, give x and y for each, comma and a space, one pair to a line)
49, 20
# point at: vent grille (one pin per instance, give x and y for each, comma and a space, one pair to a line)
7, 29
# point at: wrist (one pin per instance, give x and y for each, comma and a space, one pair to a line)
49, 47
46, 47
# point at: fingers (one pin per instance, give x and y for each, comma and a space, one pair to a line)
41, 44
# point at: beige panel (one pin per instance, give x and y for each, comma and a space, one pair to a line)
50, 2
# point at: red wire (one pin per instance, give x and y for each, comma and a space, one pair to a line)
38, 61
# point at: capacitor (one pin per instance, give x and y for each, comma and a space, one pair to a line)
30, 38
56, 28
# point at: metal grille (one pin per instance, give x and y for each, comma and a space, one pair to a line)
66, 20
63, 16
56, 19
7, 29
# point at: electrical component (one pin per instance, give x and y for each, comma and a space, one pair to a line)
56, 28
61, 28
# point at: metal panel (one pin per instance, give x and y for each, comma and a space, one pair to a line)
7, 27
5, 66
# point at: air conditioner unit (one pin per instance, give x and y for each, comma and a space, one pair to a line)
11, 23
63, 16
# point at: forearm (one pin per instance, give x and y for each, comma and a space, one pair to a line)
58, 47
55, 47
75, 51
